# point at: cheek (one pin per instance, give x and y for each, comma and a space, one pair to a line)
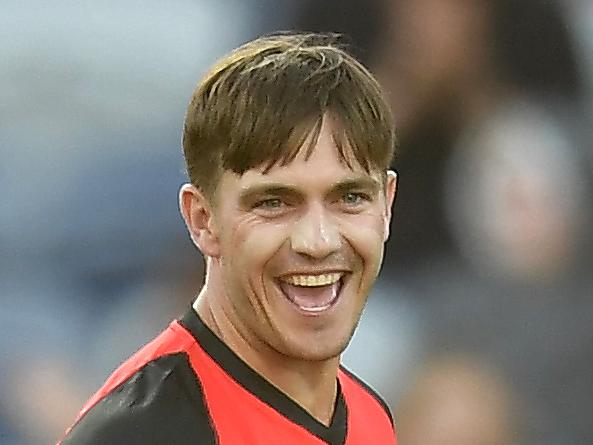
365, 233
252, 244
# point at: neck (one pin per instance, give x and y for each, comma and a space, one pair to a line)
311, 384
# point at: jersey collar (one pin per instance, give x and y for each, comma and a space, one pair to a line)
248, 378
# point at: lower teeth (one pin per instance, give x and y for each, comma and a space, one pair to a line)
315, 308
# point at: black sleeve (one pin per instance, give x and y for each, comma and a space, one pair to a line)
162, 403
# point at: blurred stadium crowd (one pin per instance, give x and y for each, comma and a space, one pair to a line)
480, 330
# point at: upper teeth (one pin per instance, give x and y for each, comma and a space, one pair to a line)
313, 280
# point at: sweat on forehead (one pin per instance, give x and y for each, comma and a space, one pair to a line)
266, 101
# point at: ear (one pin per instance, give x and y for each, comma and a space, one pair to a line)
197, 213
390, 193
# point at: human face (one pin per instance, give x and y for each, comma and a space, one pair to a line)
299, 248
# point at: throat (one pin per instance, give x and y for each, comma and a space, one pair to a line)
318, 396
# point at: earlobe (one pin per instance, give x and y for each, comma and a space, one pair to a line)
390, 194
196, 210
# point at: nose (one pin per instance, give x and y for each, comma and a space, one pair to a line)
315, 234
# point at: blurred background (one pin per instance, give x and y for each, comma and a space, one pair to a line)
480, 329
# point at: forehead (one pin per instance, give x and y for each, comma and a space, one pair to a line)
321, 166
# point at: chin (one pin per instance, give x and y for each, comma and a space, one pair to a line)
316, 350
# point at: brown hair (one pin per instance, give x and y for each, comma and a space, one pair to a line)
259, 105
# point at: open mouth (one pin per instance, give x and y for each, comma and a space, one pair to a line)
312, 294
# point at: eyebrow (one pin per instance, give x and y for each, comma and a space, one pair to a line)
249, 193
369, 184
362, 183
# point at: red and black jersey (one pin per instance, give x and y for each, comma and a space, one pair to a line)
187, 387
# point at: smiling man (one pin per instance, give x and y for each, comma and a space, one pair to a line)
288, 142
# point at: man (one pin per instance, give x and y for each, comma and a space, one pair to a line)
288, 141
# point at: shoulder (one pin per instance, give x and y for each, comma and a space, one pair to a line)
360, 392
162, 402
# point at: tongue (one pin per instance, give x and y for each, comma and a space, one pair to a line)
311, 297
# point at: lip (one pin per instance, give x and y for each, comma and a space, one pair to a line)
284, 275
318, 312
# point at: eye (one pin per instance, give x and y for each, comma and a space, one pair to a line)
269, 204
355, 198
270, 207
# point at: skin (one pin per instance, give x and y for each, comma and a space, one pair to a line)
311, 216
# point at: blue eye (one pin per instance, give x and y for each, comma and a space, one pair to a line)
272, 203
354, 198
270, 207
